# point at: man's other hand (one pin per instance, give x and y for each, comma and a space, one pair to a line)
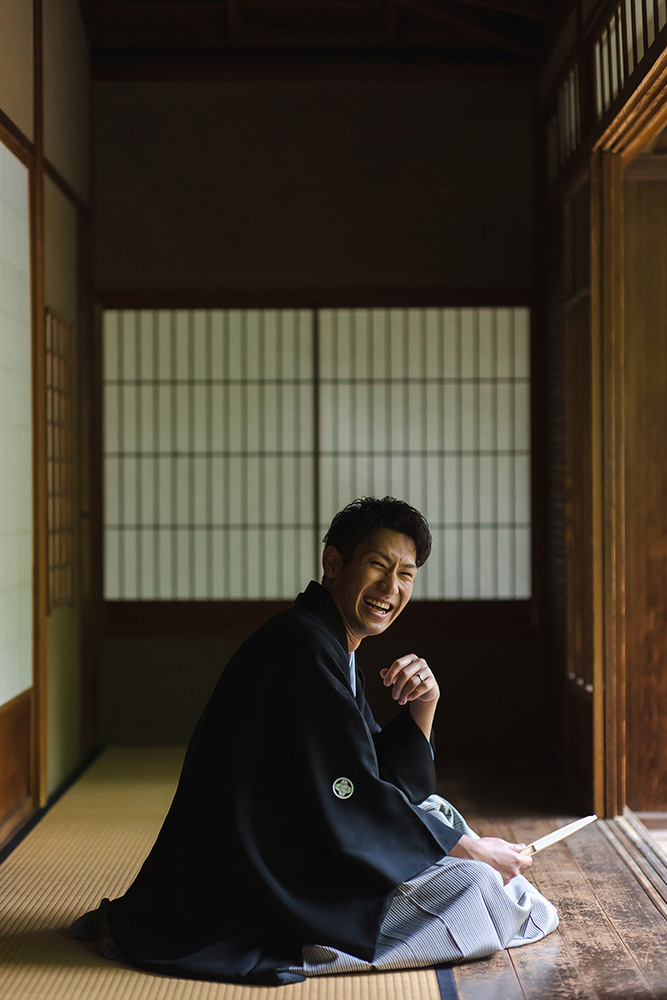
410, 679
501, 855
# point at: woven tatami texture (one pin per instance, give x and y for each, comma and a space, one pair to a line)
90, 845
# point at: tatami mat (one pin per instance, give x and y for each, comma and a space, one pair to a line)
90, 845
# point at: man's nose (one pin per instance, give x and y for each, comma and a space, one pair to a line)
390, 582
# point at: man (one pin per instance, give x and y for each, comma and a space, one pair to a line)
304, 838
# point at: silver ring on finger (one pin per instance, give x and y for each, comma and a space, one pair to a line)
420, 678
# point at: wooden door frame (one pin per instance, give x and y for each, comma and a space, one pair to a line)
642, 117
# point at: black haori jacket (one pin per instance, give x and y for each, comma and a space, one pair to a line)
294, 818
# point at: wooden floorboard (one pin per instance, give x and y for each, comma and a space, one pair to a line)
612, 937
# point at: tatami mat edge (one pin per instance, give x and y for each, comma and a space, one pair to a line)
90, 844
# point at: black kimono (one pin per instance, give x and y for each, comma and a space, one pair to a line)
294, 818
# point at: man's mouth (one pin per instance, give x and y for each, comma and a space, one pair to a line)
380, 606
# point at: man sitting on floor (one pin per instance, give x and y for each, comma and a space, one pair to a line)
303, 838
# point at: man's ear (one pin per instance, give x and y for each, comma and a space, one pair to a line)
332, 560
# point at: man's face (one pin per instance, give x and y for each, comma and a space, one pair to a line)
371, 590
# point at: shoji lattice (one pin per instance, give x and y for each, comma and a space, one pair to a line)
59, 458
433, 405
16, 557
622, 44
209, 454
232, 437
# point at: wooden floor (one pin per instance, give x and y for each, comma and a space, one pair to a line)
609, 886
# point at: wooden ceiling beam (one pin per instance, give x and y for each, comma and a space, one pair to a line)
469, 26
532, 10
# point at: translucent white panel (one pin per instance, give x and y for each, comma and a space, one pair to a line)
128, 491
127, 346
128, 425
523, 584
297, 358
364, 344
402, 437
201, 345
326, 338
522, 505
488, 563
217, 323
147, 565
505, 343
486, 328
164, 340
488, 494
251, 346
202, 495
299, 420
381, 476
162, 428
146, 397
110, 346
181, 417
641, 44
506, 563
452, 407
433, 417
343, 416
415, 401
650, 23
522, 416
15, 431
165, 562
469, 343
614, 67
416, 343
432, 359
486, 415
505, 421
111, 417
469, 488
451, 343
452, 490
166, 491
599, 106
506, 486
469, 417
237, 559
145, 345
344, 344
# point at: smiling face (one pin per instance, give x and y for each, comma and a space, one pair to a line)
371, 590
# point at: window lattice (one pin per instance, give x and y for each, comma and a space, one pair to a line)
232, 437
59, 458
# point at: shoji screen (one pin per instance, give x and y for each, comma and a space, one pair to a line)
15, 432
433, 406
208, 466
232, 437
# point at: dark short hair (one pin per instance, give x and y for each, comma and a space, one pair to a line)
363, 518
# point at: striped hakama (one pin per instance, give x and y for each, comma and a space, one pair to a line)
454, 911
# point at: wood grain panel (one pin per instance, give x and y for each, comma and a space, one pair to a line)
646, 492
15, 798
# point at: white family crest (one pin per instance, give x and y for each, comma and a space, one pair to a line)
343, 788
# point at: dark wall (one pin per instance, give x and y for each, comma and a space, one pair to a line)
319, 185
316, 186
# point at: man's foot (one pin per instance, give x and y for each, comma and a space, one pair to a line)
91, 925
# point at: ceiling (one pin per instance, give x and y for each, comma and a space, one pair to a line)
505, 33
